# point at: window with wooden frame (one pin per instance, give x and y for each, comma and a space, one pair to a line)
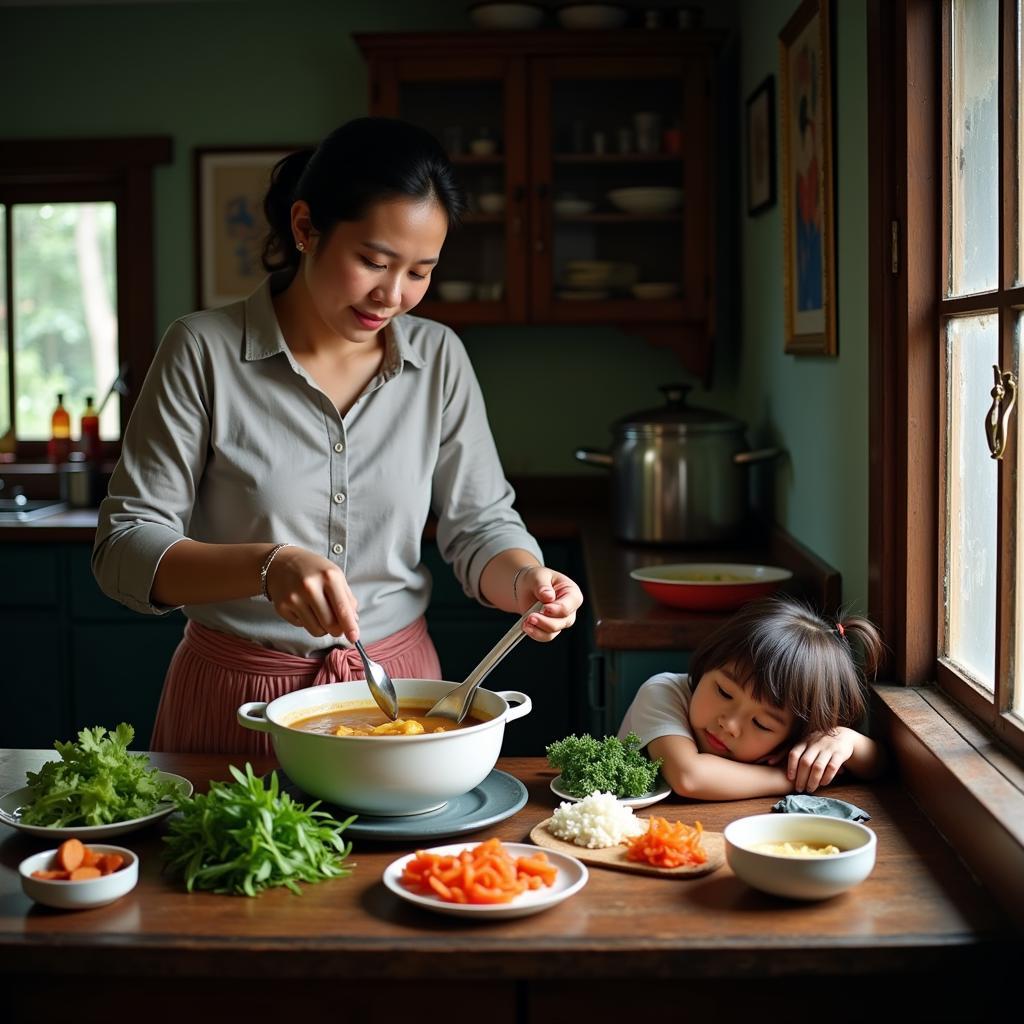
76, 259
947, 294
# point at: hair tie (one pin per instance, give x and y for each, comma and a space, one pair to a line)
840, 630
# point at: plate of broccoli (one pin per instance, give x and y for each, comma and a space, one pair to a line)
609, 765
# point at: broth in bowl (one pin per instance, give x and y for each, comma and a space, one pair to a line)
361, 719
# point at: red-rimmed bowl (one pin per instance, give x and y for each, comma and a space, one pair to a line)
710, 586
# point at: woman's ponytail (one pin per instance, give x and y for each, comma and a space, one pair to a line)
279, 249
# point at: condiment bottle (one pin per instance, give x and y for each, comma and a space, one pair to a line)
89, 439
59, 447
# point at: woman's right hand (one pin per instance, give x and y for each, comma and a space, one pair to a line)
311, 592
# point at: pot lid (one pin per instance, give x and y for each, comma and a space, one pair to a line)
676, 417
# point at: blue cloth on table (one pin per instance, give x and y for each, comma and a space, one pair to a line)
803, 803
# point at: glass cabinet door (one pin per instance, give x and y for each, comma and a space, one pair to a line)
620, 154
475, 107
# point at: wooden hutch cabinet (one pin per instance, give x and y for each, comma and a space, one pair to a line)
588, 161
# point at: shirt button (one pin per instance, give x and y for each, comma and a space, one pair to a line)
338, 548
339, 498
339, 447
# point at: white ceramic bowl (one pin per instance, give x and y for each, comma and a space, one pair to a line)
492, 202
646, 199
652, 290
591, 16
456, 291
800, 878
572, 207
507, 16
93, 892
385, 775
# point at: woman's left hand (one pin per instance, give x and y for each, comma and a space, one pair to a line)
557, 592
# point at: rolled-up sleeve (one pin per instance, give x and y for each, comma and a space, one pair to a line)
154, 484
471, 497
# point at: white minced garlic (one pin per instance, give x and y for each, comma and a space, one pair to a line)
596, 821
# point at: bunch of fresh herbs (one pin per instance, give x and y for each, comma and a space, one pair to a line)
95, 782
610, 765
243, 837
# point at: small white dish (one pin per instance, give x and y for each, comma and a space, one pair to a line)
592, 16
507, 16
12, 803
91, 892
492, 202
456, 291
573, 207
644, 199
800, 878
661, 790
572, 876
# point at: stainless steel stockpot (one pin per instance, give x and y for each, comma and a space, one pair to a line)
678, 473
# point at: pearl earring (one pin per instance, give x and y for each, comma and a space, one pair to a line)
301, 246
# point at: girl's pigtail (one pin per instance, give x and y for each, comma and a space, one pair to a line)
279, 249
863, 636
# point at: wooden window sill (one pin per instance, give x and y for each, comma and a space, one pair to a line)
970, 788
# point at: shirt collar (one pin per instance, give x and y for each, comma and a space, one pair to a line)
263, 335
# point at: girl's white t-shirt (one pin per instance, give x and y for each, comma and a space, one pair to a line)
661, 707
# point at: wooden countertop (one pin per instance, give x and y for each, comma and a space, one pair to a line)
919, 911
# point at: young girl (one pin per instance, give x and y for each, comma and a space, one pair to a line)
285, 452
767, 707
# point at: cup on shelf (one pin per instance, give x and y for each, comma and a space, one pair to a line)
647, 125
490, 291
456, 291
491, 202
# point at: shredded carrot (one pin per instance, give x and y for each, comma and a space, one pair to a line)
668, 844
487, 873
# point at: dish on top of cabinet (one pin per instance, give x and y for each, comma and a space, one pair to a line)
592, 16
507, 16
709, 586
646, 199
653, 290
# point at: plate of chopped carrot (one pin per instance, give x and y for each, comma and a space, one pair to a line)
492, 879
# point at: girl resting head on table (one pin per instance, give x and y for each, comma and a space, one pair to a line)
767, 707
286, 450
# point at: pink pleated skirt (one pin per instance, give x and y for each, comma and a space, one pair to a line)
212, 674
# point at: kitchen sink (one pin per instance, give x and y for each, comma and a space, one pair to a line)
27, 510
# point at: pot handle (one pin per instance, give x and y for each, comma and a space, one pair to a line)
760, 455
522, 706
594, 457
253, 716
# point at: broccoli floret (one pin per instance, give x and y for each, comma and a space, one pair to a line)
610, 765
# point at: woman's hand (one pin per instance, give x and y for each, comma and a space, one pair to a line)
557, 592
311, 592
816, 759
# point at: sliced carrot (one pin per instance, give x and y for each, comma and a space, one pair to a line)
668, 844
485, 874
70, 854
108, 863
91, 858
82, 874
51, 875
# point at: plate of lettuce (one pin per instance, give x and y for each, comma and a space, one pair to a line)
95, 790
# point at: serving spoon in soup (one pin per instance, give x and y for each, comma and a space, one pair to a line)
379, 683
454, 705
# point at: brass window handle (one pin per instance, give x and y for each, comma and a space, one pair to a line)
1004, 395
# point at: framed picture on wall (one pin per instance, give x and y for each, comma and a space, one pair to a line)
230, 227
761, 147
807, 214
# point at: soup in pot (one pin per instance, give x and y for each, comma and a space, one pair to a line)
368, 720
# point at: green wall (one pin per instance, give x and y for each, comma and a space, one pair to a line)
816, 408
260, 72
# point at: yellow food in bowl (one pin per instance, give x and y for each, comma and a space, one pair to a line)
797, 848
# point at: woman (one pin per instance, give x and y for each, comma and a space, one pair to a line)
285, 452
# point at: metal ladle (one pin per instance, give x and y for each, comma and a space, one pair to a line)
454, 705
379, 683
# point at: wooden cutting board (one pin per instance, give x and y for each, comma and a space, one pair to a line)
615, 856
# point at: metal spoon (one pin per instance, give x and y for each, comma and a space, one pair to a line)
454, 705
380, 684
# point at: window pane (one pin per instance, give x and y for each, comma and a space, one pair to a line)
65, 312
972, 348
5, 397
974, 147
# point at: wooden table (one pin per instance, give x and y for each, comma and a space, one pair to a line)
624, 942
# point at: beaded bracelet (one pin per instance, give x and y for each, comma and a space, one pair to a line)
515, 579
265, 568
